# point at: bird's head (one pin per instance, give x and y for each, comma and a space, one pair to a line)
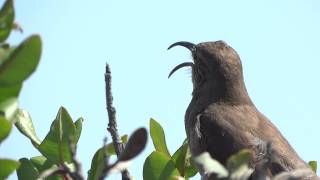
215, 65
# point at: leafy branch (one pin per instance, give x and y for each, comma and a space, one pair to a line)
58, 149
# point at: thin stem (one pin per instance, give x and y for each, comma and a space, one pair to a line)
112, 125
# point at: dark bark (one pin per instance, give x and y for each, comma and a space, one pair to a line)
112, 125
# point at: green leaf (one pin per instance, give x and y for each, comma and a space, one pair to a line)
158, 137
8, 108
78, 129
98, 163
7, 92
169, 172
110, 147
5, 52
56, 146
239, 160
158, 166
7, 167
42, 164
183, 161
190, 169
22, 62
313, 165
5, 128
26, 170
6, 19
25, 126
179, 158
211, 166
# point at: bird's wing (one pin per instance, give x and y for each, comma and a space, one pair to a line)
223, 132
226, 129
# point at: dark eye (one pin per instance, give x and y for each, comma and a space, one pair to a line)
194, 56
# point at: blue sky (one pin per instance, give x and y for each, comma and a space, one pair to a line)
278, 42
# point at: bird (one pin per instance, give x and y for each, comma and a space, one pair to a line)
221, 118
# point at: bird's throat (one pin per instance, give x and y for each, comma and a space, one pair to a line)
218, 90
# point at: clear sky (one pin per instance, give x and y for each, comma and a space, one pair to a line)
278, 42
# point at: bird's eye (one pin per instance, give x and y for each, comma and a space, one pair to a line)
194, 56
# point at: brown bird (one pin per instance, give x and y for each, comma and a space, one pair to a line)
221, 118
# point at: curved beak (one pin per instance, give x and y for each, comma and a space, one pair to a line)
187, 45
180, 66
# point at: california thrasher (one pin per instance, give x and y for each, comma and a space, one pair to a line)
221, 118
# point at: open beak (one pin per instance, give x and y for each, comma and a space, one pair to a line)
180, 66
187, 45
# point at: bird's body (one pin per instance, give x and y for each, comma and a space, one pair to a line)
223, 129
221, 118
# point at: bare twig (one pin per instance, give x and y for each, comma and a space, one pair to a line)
67, 171
50, 172
112, 125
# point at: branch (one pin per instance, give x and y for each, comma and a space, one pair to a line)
112, 125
